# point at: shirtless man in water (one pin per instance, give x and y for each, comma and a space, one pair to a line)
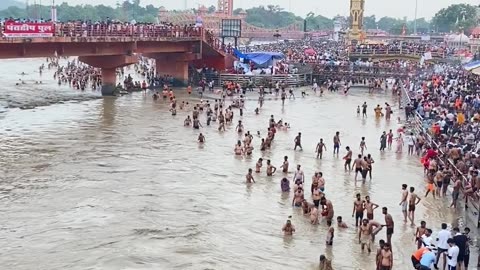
288, 229
336, 143
386, 258
320, 147
403, 202
298, 197
348, 159
413, 200
201, 138
298, 141
249, 177
358, 209
389, 224
369, 207
284, 166
357, 165
364, 235
259, 165
328, 208
270, 168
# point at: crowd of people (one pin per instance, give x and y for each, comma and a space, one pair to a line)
446, 102
451, 249
114, 28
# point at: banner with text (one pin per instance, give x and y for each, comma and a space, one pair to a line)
18, 29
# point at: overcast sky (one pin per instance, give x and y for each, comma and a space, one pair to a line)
329, 8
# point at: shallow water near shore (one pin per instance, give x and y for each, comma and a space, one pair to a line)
119, 183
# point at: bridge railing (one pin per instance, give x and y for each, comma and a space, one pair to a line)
260, 79
387, 51
121, 30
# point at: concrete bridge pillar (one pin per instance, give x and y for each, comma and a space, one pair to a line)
109, 81
173, 64
109, 65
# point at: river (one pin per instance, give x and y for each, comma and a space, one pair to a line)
119, 183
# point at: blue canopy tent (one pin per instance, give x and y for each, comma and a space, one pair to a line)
264, 59
261, 59
472, 65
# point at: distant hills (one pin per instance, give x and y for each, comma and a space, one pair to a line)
4, 4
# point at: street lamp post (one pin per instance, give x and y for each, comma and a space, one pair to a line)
415, 21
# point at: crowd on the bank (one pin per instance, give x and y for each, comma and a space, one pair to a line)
404, 47
448, 104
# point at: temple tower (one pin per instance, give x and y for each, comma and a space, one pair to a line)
225, 7
357, 8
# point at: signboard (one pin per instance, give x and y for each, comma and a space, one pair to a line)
425, 38
18, 29
231, 28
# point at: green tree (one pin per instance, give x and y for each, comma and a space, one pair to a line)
391, 25
212, 9
455, 17
271, 17
369, 22
318, 22
423, 26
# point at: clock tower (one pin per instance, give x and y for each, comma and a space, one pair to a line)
356, 19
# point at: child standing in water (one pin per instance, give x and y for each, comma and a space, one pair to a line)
363, 145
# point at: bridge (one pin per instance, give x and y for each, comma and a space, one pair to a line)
172, 48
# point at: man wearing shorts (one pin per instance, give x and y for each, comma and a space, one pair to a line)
403, 202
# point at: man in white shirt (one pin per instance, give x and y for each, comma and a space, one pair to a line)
410, 139
442, 244
427, 239
453, 251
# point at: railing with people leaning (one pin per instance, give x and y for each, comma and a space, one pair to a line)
395, 51
292, 80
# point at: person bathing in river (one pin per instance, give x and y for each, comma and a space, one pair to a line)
249, 177
258, 165
201, 138
320, 147
288, 229
270, 168
363, 145
188, 121
239, 127
285, 185
196, 123
238, 150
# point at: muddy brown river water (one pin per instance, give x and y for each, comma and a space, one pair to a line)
118, 183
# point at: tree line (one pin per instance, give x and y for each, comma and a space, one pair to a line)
454, 18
